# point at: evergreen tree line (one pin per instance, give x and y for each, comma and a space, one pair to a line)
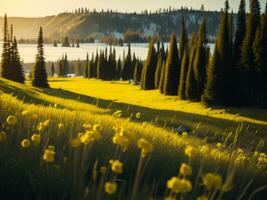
234, 75
11, 66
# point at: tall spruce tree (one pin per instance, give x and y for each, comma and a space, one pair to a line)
182, 81
200, 61
119, 69
183, 38
238, 40
172, 69
52, 70
127, 65
39, 71
191, 82
6, 68
158, 70
137, 72
162, 77
219, 88
17, 68
260, 52
149, 69
248, 70
86, 67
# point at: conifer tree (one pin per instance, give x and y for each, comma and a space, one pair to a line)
158, 70
172, 69
39, 71
200, 61
191, 82
6, 71
92, 70
162, 76
149, 69
248, 71
137, 72
86, 67
239, 36
127, 66
260, 52
52, 70
219, 88
183, 38
17, 68
119, 69
184, 69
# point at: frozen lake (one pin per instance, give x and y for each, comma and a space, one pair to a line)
28, 51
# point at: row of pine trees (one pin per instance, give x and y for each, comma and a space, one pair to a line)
11, 66
236, 72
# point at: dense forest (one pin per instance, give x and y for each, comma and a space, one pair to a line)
84, 24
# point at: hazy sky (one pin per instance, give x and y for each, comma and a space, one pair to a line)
51, 7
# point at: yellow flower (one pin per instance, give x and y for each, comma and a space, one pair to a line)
2, 136
97, 127
25, 112
219, 145
203, 197
145, 146
87, 127
211, 181
188, 150
110, 187
11, 120
178, 185
204, 149
51, 147
185, 170
60, 125
46, 123
116, 166
103, 170
184, 134
90, 136
117, 114
49, 154
75, 143
138, 115
25, 143
121, 138
36, 138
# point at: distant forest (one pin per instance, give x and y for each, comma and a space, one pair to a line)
83, 24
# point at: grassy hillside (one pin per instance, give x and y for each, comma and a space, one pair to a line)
61, 118
167, 110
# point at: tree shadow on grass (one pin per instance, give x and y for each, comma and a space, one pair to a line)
163, 118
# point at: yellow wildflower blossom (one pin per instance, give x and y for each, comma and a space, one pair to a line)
36, 138
60, 125
185, 170
110, 187
49, 155
178, 185
116, 166
25, 143
138, 115
11, 120
211, 181
188, 150
25, 112
145, 146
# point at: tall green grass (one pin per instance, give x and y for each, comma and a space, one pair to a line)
76, 172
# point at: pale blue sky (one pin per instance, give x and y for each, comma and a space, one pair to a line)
50, 7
